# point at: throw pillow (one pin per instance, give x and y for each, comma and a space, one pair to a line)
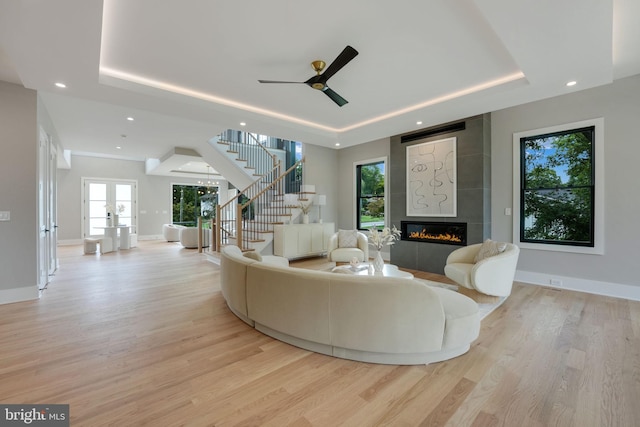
253, 255
490, 248
347, 238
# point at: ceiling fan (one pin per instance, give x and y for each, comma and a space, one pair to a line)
319, 81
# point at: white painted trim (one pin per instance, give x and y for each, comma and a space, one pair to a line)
599, 248
27, 293
84, 196
75, 242
70, 242
151, 237
616, 290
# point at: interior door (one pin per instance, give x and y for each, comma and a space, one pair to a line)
43, 230
52, 209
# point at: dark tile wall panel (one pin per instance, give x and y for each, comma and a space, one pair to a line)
473, 151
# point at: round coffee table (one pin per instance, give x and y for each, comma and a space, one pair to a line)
389, 270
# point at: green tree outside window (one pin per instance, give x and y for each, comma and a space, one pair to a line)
557, 188
370, 195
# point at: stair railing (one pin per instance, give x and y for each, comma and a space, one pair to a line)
255, 210
250, 150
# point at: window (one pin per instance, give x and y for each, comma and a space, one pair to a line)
559, 200
370, 191
100, 193
192, 201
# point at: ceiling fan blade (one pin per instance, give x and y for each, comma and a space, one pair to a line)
275, 81
347, 54
334, 96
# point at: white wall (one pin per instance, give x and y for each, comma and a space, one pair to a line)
18, 193
615, 271
347, 157
154, 194
321, 170
346, 193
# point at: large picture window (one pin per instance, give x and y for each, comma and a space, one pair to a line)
193, 201
370, 195
558, 196
557, 187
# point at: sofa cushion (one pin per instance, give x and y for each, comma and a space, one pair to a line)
292, 301
253, 255
275, 260
459, 272
384, 314
489, 248
347, 254
347, 238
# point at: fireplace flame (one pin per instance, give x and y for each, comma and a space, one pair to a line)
447, 237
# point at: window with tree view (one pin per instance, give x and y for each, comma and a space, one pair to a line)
370, 195
193, 201
557, 185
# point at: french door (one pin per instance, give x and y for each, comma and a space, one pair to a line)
101, 195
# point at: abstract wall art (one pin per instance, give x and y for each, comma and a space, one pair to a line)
431, 178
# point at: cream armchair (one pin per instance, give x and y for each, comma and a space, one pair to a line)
189, 237
338, 251
171, 232
492, 275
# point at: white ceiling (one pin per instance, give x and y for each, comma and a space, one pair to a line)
188, 70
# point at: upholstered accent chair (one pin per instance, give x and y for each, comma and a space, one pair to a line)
189, 237
171, 232
488, 268
348, 244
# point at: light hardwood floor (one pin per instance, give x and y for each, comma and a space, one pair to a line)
143, 337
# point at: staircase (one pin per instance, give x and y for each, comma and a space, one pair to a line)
272, 196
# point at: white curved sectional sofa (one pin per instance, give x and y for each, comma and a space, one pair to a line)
366, 318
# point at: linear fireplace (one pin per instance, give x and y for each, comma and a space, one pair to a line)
451, 233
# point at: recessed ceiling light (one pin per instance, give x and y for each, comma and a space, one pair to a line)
61, 85
130, 119
119, 148
572, 83
243, 124
418, 123
337, 144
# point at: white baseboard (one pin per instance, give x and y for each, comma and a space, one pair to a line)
609, 289
74, 242
70, 242
151, 237
27, 293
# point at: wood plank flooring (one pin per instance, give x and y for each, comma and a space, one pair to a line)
143, 337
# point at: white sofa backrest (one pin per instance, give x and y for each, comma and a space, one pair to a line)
373, 318
233, 280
